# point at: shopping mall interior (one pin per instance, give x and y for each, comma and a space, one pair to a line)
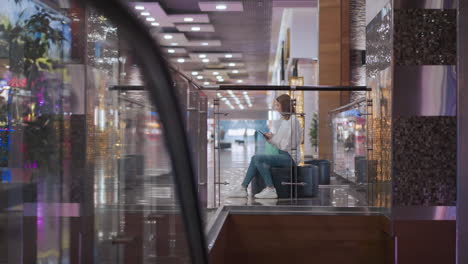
235, 131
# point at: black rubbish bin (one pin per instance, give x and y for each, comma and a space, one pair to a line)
307, 181
360, 168
138, 163
324, 170
130, 168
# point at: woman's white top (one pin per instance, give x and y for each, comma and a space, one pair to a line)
289, 137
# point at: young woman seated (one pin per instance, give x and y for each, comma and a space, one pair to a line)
287, 140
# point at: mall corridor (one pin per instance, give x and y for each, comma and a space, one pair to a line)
236, 131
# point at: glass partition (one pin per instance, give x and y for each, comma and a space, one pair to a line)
331, 143
349, 141
86, 175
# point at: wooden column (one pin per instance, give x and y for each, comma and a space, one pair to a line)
333, 65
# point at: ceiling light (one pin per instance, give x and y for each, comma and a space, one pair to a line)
205, 44
196, 28
174, 44
244, 92
240, 81
221, 7
220, 80
181, 60
168, 37
228, 55
206, 83
145, 13
232, 64
199, 77
194, 73
219, 77
188, 19
202, 56
171, 50
219, 95
139, 7
215, 73
206, 60
235, 71
155, 24
150, 19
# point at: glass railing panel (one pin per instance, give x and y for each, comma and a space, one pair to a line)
349, 141
85, 172
334, 133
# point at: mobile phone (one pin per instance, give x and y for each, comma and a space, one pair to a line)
264, 135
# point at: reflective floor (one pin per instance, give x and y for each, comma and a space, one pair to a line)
234, 163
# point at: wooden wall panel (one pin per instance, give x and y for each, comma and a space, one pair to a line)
303, 239
334, 65
429, 242
330, 42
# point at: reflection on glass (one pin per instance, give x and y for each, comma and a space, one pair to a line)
349, 138
85, 175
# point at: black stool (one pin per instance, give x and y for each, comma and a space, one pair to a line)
307, 181
324, 170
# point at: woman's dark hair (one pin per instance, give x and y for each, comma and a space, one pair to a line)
287, 107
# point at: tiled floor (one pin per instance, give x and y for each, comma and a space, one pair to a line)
234, 163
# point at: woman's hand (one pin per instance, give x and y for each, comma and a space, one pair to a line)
268, 136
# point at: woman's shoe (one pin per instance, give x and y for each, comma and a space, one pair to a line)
267, 193
239, 192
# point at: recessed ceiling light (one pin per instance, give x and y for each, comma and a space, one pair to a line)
196, 28
168, 37
206, 83
155, 24
219, 77
199, 77
219, 95
145, 13
240, 81
228, 55
215, 73
235, 71
188, 19
181, 60
174, 44
232, 64
220, 80
194, 73
244, 92
150, 19
138, 7
206, 60
221, 7
171, 50
202, 56
205, 44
